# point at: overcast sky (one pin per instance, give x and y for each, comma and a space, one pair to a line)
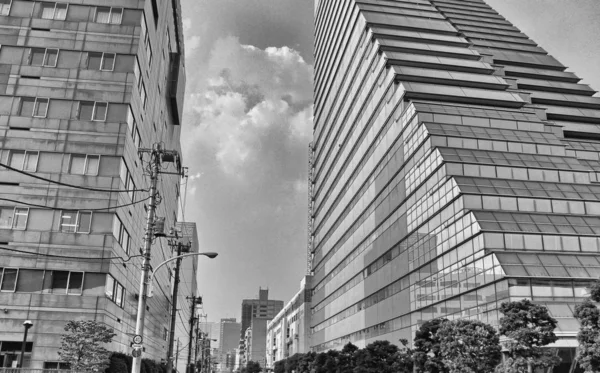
247, 124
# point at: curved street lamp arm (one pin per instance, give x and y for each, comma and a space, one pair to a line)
208, 254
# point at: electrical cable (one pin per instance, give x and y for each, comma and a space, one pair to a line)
61, 209
69, 257
72, 185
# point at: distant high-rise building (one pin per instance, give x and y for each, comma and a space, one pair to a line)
229, 341
85, 86
456, 166
262, 308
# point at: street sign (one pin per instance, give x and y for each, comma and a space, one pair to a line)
137, 339
136, 345
136, 352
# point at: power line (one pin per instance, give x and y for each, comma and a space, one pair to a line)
71, 185
69, 257
60, 209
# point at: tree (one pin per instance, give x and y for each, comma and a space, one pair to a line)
528, 327
347, 358
279, 366
403, 360
426, 353
378, 357
81, 345
119, 363
253, 367
469, 346
588, 350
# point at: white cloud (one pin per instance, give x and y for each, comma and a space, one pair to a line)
255, 105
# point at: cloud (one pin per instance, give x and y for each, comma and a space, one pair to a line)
254, 111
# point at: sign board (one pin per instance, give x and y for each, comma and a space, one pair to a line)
136, 345
136, 352
137, 339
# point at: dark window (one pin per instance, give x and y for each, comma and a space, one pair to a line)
59, 281
155, 12
8, 280
30, 280
94, 60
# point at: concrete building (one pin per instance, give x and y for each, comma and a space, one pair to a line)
263, 308
229, 337
255, 341
289, 332
84, 86
456, 167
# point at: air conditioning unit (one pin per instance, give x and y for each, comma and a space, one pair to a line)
159, 227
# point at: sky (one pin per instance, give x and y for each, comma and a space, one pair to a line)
247, 125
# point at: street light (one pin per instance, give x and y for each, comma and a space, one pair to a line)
27, 324
209, 254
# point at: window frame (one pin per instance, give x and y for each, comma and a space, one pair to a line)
85, 164
3, 269
120, 235
26, 153
45, 58
110, 15
143, 95
68, 284
54, 12
116, 285
36, 101
9, 8
77, 224
102, 56
93, 117
15, 213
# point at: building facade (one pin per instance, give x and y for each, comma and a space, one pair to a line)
262, 308
229, 341
455, 167
84, 86
289, 331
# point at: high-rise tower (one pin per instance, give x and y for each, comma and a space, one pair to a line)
456, 166
84, 85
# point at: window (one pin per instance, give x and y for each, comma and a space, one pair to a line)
121, 234
114, 290
43, 57
75, 221
66, 282
165, 334
133, 129
35, 107
145, 38
90, 110
56, 11
13, 217
143, 96
5, 7
101, 61
127, 180
136, 72
24, 160
155, 12
109, 15
84, 164
8, 279
56, 365
149, 54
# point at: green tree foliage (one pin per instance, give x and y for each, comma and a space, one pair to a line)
426, 353
82, 345
347, 358
382, 357
253, 367
469, 346
588, 351
279, 366
119, 363
403, 360
528, 327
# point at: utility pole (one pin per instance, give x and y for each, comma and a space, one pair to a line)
177, 355
158, 155
195, 300
174, 311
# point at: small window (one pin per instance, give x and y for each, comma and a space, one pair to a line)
76, 221
82, 164
35, 107
136, 72
24, 160
55, 11
101, 61
96, 111
75, 283
8, 279
20, 218
65, 282
43, 57
5, 7
109, 15
121, 234
109, 287
143, 97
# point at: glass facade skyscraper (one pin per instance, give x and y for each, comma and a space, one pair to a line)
456, 167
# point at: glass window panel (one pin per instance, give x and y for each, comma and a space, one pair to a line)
93, 162
94, 60
515, 270
519, 287
529, 259
581, 289
17, 157
562, 288
541, 288
77, 164
6, 217
85, 222
9, 279
75, 283
108, 62
41, 107
20, 219
37, 56
116, 16
27, 105
537, 271
86, 109
109, 287
59, 281
30, 280
31, 159
102, 14
577, 272
61, 11
119, 295
51, 57
68, 221
100, 111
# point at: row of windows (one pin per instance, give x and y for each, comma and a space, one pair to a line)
114, 291
121, 234
27, 160
37, 107
48, 57
71, 221
60, 11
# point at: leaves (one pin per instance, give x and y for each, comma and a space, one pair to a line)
588, 351
426, 354
81, 345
